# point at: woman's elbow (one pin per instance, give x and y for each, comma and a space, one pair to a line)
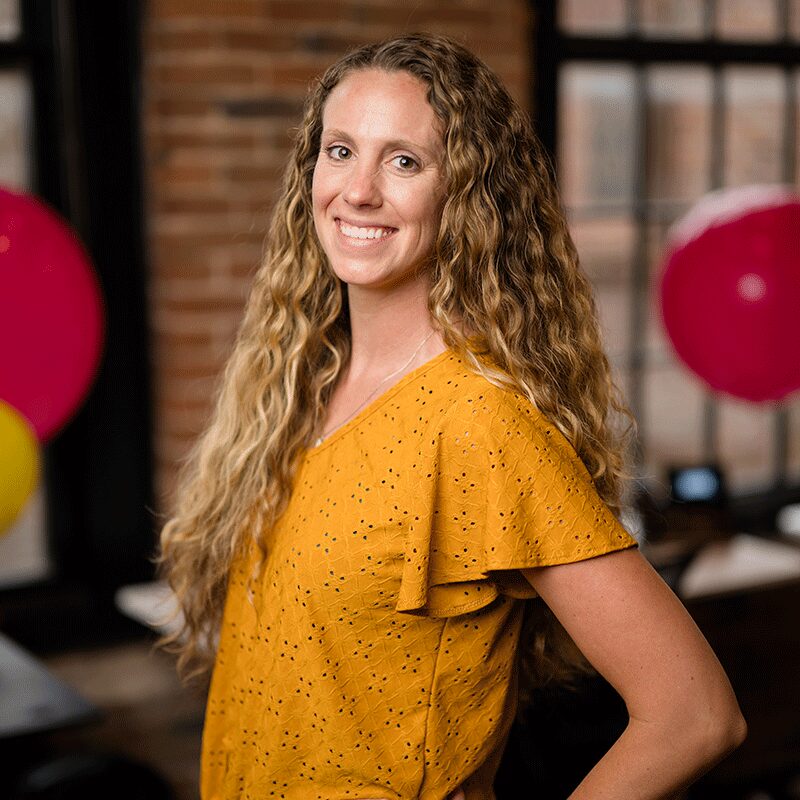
735, 731
723, 733
706, 728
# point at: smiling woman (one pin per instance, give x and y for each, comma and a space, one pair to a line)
405, 508
378, 183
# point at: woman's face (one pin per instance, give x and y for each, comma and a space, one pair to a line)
378, 182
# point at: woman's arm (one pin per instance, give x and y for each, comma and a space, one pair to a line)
683, 714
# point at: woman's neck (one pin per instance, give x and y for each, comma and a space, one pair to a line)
387, 328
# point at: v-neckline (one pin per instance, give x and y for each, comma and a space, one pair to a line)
382, 398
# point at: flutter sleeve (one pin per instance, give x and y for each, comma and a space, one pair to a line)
501, 489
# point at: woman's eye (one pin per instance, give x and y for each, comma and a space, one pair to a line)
339, 152
406, 163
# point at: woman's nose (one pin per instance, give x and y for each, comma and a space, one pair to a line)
362, 187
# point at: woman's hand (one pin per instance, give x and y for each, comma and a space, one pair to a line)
683, 714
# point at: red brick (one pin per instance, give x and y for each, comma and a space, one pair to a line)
184, 390
299, 75
222, 9
189, 204
212, 305
274, 107
186, 369
203, 74
182, 173
245, 269
173, 267
176, 371
208, 238
400, 15
325, 40
260, 39
443, 13
244, 173
294, 11
180, 106
193, 339
256, 203
162, 41
225, 140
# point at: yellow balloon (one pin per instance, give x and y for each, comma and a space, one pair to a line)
19, 463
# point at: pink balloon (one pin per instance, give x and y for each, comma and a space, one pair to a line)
730, 292
51, 314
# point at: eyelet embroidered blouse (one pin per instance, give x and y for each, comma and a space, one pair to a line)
375, 657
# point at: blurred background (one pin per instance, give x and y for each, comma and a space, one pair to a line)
160, 131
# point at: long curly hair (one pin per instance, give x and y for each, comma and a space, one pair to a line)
504, 269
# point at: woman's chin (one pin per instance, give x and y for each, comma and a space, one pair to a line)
376, 279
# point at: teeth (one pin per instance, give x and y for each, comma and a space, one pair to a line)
363, 233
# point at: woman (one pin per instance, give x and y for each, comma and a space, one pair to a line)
413, 439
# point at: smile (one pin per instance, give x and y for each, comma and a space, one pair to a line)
364, 233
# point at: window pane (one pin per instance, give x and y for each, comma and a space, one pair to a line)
605, 246
613, 309
746, 438
753, 125
679, 137
15, 145
622, 377
747, 19
9, 19
593, 17
657, 344
597, 139
673, 413
672, 18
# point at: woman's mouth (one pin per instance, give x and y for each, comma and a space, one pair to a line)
361, 235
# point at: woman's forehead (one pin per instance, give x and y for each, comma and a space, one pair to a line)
373, 104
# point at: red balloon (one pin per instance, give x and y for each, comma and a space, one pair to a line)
51, 314
730, 292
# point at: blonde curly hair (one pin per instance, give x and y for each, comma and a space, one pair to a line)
504, 268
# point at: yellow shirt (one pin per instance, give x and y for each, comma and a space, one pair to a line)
377, 655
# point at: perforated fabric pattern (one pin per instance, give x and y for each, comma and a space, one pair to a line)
376, 655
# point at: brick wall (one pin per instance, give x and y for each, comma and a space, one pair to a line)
223, 83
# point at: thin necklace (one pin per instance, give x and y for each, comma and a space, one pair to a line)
324, 435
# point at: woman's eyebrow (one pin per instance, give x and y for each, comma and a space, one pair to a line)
335, 133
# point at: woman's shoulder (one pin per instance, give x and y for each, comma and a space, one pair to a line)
491, 422
484, 397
